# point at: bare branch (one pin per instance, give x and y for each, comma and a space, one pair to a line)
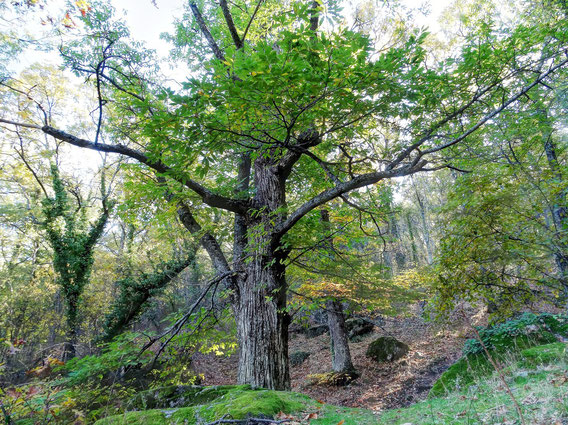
230, 24
208, 197
205, 31
20, 124
251, 19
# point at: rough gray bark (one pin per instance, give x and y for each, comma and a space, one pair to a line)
340, 354
260, 308
262, 326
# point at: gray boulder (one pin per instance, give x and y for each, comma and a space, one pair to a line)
387, 349
316, 330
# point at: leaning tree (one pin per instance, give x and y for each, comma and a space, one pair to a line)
278, 116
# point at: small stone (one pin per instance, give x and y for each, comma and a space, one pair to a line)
298, 357
316, 330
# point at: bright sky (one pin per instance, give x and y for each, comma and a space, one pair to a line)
147, 21
141, 12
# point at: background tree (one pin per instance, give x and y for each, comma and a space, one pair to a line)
73, 242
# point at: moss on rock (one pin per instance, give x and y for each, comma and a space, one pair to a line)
461, 374
298, 357
387, 349
509, 342
544, 354
208, 404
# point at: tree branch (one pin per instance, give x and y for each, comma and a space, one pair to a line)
20, 124
208, 197
208, 241
205, 31
230, 24
496, 111
251, 19
340, 189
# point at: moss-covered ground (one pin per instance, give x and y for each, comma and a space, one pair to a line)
505, 342
235, 402
538, 378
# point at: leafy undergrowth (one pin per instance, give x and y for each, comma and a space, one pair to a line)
538, 380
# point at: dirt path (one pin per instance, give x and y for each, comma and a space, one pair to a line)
381, 386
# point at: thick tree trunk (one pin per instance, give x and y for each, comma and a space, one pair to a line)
260, 301
262, 326
340, 354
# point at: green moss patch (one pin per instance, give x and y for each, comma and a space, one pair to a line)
508, 342
544, 354
541, 391
210, 404
180, 396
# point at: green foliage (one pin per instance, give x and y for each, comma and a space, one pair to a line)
135, 292
502, 229
540, 390
538, 328
121, 353
506, 342
72, 241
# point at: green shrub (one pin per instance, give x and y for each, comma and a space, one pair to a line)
534, 329
123, 352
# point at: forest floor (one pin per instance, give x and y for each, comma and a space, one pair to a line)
433, 348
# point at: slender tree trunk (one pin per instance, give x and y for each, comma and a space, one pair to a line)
340, 354
425, 225
69, 348
559, 215
412, 240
